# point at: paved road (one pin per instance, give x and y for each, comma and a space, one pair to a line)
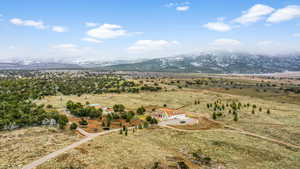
89, 136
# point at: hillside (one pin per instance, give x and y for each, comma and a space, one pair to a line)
216, 63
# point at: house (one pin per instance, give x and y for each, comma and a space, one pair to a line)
169, 114
106, 110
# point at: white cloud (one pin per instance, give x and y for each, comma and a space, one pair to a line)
91, 24
182, 8
254, 14
226, 42
59, 29
217, 26
179, 6
107, 31
176, 4
297, 35
91, 40
285, 14
32, 23
151, 45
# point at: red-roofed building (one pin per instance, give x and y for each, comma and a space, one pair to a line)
168, 114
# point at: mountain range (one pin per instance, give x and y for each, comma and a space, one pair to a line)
204, 62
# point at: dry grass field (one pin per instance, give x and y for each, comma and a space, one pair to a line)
145, 147
283, 122
22, 146
226, 148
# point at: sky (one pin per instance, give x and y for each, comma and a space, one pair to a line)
108, 30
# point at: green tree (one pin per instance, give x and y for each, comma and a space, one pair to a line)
236, 118
73, 126
141, 110
62, 121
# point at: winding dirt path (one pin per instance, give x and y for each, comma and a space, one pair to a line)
89, 136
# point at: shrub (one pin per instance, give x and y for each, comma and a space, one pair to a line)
214, 116
73, 126
62, 121
236, 118
83, 122
140, 126
146, 124
141, 110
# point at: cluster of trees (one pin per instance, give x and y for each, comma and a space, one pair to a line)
17, 109
79, 110
218, 108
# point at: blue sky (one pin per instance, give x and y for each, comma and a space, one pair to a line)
102, 30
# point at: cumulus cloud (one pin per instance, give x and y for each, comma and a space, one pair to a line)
179, 6
59, 29
182, 8
226, 42
91, 40
151, 45
254, 14
107, 31
32, 23
218, 26
91, 24
285, 14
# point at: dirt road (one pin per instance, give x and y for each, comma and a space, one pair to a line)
89, 136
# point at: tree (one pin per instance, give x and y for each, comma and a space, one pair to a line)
268, 111
119, 108
62, 121
83, 122
73, 126
259, 109
214, 116
236, 118
148, 118
154, 121
140, 126
141, 110
49, 106
146, 124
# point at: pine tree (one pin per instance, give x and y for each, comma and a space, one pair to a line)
214, 116
236, 118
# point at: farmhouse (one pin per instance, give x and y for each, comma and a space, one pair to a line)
106, 110
168, 114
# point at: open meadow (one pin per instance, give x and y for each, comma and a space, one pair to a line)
22, 146
226, 147
161, 147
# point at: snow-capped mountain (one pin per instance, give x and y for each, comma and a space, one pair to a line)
217, 62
